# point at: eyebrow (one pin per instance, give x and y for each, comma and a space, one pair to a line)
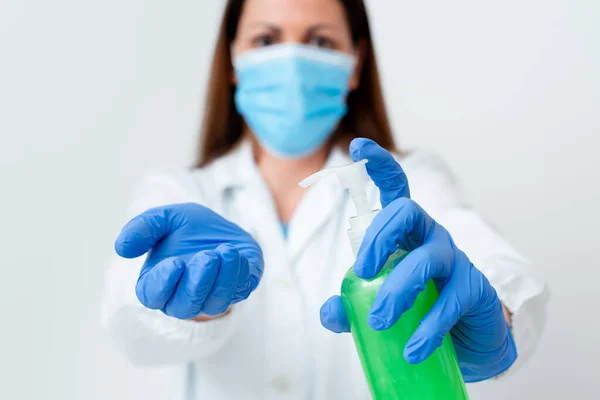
264, 25
318, 27
275, 28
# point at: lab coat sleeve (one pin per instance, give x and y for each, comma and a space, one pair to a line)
148, 337
509, 273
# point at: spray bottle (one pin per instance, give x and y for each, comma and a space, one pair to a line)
388, 374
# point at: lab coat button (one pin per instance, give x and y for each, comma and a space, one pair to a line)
282, 383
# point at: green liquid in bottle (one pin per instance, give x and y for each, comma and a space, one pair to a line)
381, 353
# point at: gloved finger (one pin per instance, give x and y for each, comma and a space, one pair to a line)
143, 232
156, 285
244, 286
402, 224
221, 294
194, 286
256, 264
383, 169
400, 290
444, 314
333, 315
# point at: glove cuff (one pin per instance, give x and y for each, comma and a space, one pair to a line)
490, 364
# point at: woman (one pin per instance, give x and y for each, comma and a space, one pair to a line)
241, 261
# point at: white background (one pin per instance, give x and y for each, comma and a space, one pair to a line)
92, 94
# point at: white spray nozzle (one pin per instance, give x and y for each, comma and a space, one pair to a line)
353, 177
349, 175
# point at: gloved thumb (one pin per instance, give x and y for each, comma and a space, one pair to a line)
383, 169
333, 315
141, 233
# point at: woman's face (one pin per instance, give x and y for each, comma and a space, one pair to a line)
319, 23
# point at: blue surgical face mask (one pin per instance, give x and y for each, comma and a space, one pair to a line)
292, 96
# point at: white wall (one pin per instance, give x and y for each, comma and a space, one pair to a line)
92, 94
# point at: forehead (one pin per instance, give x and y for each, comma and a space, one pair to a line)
293, 12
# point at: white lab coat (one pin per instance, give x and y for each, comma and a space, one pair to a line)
272, 346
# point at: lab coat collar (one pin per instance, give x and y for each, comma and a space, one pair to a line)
238, 169
317, 205
235, 169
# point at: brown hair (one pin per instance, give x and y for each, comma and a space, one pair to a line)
223, 125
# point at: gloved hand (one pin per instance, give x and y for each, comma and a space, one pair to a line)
467, 307
198, 262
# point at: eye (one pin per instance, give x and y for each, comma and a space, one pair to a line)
321, 41
263, 40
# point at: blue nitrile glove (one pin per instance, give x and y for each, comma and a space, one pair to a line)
198, 262
467, 307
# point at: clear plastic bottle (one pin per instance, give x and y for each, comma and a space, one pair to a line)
388, 374
381, 353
